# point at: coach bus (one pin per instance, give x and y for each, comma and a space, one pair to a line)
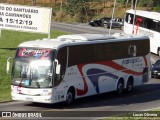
146, 23
75, 66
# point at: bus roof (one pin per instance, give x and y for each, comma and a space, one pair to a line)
86, 37
147, 14
67, 40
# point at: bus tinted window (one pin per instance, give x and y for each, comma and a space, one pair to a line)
158, 26
80, 54
106, 51
62, 58
150, 24
129, 18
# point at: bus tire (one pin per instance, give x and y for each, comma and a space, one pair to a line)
120, 86
129, 86
70, 97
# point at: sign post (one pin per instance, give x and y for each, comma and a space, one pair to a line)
112, 17
49, 27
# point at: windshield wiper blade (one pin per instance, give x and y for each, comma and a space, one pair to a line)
37, 83
20, 83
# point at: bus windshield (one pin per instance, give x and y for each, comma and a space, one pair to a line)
33, 68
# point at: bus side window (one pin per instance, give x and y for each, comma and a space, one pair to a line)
158, 26
150, 24
62, 59
129, 18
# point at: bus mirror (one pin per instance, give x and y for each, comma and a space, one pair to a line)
58, 66
8, 65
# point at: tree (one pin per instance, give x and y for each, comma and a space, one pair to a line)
149, 4
34, 2
79, 8
127, 3
143, 3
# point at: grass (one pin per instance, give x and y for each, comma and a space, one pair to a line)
8, 42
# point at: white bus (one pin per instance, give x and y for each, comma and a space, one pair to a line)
75, 66
146, 23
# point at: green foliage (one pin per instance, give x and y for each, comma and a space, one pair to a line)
122, 2
156, 3
157, 9
143, 3
80, 9
148, 3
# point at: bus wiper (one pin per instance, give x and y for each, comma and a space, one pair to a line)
20, 84
32, 77
37, 83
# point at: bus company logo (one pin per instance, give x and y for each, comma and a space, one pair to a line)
138, 22
33, 52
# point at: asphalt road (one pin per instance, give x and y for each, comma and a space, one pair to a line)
142, 98
78, 28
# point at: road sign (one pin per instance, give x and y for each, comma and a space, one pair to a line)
25, 18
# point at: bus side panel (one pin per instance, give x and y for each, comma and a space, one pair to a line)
128, 28
98, 67
100, 77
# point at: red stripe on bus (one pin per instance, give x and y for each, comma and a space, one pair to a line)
111, 64
121, 68
85, 90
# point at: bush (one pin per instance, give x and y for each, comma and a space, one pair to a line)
157, 9
60, 16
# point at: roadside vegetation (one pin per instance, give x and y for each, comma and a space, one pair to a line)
8, 42
85, 10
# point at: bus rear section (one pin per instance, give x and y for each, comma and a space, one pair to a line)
75, 66
145, 23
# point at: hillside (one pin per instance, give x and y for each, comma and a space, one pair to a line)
80, 11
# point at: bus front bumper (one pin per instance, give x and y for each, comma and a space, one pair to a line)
38, 99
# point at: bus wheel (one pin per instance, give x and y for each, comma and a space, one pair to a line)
129, 86
70, 96
120, 87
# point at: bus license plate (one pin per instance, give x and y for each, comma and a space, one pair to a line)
29, 99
